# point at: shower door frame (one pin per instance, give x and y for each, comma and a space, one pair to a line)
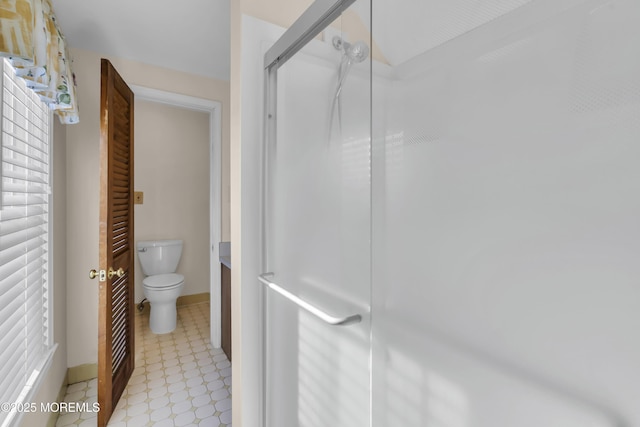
311, 23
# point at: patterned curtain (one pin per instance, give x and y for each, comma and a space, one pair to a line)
31, 38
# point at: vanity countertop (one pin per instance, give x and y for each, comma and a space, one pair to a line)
225, 254
226, 260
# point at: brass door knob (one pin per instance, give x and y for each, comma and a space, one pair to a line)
93, 273
119, 272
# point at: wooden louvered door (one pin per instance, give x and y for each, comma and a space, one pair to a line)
116, 309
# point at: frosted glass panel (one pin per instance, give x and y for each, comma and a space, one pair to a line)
318, 237
506, 217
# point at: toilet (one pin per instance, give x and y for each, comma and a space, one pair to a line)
162, 286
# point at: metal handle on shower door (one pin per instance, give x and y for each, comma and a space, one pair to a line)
320, 314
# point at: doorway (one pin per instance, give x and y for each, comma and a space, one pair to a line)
213, 109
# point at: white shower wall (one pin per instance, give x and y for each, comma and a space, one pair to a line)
506, 237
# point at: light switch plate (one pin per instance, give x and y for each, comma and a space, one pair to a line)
138, 197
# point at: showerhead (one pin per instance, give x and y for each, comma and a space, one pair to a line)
351, 54
357, 52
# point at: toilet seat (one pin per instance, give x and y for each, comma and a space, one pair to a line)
163, 281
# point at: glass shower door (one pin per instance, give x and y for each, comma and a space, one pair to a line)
505, 220
316, 248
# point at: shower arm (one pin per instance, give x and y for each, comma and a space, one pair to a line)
320, 314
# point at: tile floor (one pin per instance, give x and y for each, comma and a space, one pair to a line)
179, 379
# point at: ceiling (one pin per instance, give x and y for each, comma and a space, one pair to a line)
188, 35
404, 33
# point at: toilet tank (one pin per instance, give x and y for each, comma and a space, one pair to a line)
159, 256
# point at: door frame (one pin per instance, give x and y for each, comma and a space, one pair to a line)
214, 109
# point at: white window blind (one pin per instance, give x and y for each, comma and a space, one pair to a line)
25, 325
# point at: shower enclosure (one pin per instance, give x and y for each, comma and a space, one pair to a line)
450, 215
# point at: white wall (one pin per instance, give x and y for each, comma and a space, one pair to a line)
172, 169
83, 140
235, 186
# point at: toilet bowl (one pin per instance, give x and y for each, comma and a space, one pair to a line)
162, 292
162, 286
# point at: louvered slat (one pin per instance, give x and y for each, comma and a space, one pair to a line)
13, 333
17, 225
23, 163
24, 241
12, 261
13, 370
10, 240
16, 279
24, 175
26, 151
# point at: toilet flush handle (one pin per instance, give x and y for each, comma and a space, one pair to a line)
119, 272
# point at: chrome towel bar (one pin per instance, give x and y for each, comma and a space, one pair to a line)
320, 314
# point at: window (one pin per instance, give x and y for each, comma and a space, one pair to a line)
26, 344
